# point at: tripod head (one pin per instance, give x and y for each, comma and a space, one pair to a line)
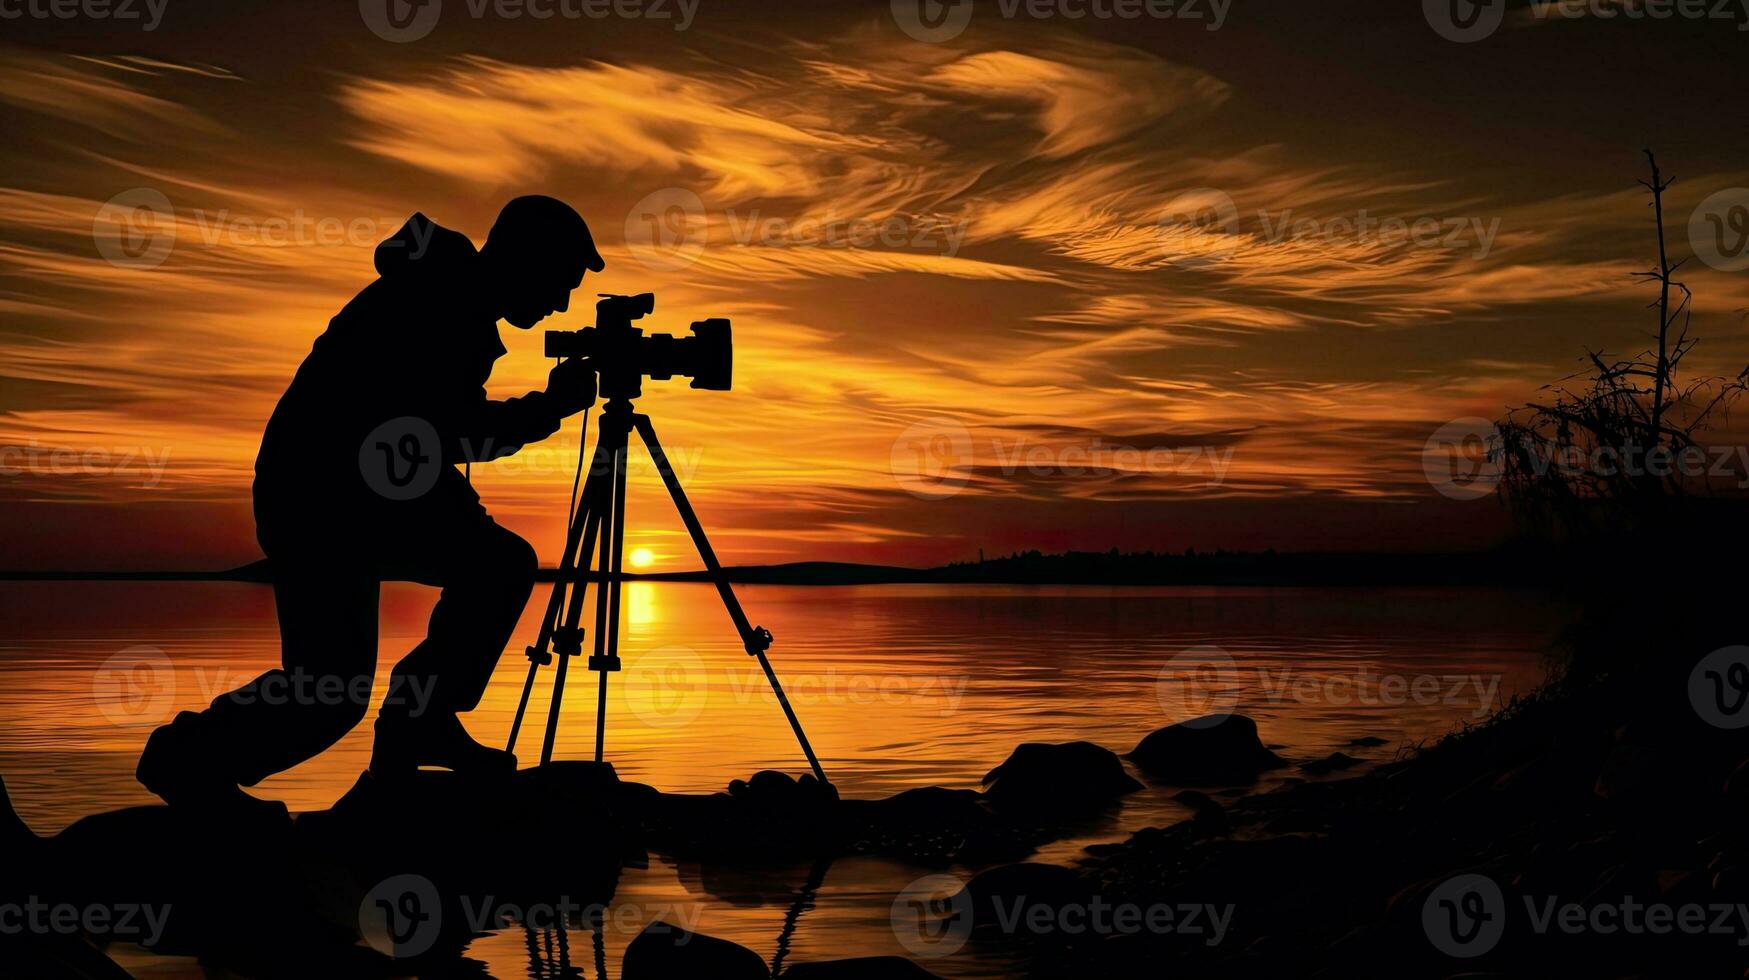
622, 355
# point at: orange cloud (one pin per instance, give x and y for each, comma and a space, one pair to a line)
1058, 305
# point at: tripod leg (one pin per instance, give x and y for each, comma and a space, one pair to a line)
568, 648
611, 558
598, 498
568, 562
755, 639
522, 705
538, 653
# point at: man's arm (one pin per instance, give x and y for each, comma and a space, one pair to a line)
489, 429
486, 430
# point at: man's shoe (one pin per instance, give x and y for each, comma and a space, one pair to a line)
405, 742
175, 767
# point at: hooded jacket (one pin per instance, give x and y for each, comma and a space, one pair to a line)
418, 343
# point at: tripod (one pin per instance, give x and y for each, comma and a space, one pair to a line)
596, 532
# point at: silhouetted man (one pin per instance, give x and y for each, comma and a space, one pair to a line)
356, 482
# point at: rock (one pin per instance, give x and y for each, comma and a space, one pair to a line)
768, 817
475, 800
1009, 893
1214, 750
859, 968
637, 800
15, 836
1204, 806
237, 891
720, 826
932, 825
1196, 800
1060, 777
924, 810
1030, 879
664, 951
770, 789
1208, 817
413, 824
1333, 762
571, 781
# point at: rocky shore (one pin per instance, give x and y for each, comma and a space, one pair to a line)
1598, 827
284, 897
1595, 830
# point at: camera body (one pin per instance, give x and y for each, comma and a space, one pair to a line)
623, 356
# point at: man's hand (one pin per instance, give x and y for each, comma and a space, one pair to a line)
571, 386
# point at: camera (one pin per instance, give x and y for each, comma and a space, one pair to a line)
622, 355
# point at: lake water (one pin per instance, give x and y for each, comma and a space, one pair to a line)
898, 686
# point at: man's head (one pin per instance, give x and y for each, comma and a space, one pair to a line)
536, 253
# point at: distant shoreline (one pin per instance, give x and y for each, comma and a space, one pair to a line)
1073, 568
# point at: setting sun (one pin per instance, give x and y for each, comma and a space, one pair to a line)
641, 557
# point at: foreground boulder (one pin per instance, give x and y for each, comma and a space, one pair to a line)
1334, 762
283, 896
773, 818
932, 825
1004, 899
14, 835
1214, 750
663, 951
1208, 816
1070, 776
773, 790
234, 890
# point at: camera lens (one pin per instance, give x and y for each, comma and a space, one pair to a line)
614, 345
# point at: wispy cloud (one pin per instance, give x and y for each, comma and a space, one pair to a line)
103, 99
1061, 302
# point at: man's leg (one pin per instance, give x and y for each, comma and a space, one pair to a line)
328, 627
486, 573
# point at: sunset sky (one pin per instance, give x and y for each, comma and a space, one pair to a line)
968, 244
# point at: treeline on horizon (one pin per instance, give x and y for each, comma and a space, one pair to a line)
1191, 566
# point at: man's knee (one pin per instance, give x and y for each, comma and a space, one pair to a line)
494, 563
510, 557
